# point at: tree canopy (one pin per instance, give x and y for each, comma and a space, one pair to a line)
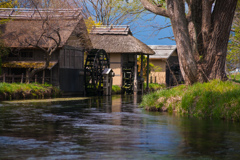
8, 3
90, 23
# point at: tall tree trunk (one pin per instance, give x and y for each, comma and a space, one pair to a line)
179, 23
202, 52
215, 58
201, 35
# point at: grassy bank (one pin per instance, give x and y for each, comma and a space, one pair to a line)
116, 89
235, 77
215, 100
27, 91
154, 86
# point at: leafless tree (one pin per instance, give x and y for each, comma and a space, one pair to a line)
110, 11
46, 33
50, 34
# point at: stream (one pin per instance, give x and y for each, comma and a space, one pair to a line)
111, 128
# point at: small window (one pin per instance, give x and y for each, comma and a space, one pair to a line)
12, 55
27, 54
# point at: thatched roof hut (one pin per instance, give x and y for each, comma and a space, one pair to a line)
29, 31
27, 26
117, 39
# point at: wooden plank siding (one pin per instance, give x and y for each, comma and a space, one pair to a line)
116, 66
71, 58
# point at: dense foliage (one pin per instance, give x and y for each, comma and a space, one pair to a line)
8, 3
91, 23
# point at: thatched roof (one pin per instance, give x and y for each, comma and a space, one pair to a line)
117, 39
28, 64
162, 51
112, 29
27, 27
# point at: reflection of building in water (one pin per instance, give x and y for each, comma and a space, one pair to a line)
116, 104
116, 108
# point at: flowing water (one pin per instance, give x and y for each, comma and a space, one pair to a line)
111, 128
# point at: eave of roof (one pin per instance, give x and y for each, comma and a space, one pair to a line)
28, 64
111, 29
162, 51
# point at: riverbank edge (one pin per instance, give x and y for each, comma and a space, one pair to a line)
21, 91
215, 99
152, 88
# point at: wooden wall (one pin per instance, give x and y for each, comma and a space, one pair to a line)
71, 58
37, 55
162, 76
71, 63
159, 74
115, 65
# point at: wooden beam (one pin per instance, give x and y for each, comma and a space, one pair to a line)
147, 73
135, 85
43, 77
141, 65
141, 74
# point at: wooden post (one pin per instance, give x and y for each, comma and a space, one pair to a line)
13, 78
147, 73
43, 77
35, 78
155, 79
22, 78
51, 76
141, 72
27, 77
135, 85
4, 77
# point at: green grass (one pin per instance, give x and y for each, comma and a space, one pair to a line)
235, 77
45, 100
215, 99
116, 89
9, 91
154, 86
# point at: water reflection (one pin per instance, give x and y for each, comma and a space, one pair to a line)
111, 128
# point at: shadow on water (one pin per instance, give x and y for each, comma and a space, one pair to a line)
111, 128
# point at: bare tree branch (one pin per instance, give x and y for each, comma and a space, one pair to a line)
154, 8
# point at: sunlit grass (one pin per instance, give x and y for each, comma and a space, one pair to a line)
216, 99
9, 91
46, 100
116, 89
235, 77
154, 86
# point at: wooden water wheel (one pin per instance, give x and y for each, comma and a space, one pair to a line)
96, 61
